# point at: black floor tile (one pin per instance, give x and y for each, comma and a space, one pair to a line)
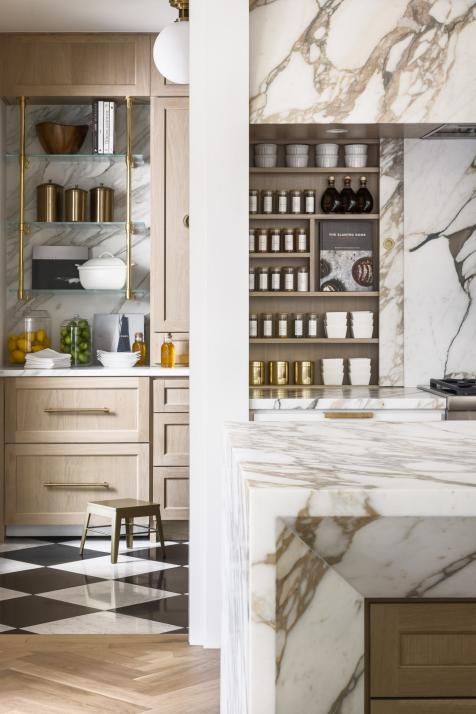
34, 610
172, 610
176, 554
17, 631
42, 580
174, 580
53, 554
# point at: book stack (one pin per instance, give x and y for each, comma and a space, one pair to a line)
103, 126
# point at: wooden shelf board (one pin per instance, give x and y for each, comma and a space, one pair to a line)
322, 293
270, 387
313, 340
279, 255
314, 216
315, 170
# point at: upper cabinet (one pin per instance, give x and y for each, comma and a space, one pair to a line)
76, 64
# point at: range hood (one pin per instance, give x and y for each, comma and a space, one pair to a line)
452, 131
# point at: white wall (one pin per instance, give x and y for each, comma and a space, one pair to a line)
219, 120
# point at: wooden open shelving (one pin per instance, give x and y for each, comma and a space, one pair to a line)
313, 340
314, 216
316, 170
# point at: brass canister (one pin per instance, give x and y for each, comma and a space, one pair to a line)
278, 373
304, 373
49, 202
257, 374
75, 200
101, 204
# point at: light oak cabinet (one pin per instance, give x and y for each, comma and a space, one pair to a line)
171, 439
169, 308
171, 395
429, 706
172, 488
75, 65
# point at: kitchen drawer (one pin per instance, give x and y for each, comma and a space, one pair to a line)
428, 706
171, 440
423, 650
77, 409
171, 395
49, 484
333, 415
171, 489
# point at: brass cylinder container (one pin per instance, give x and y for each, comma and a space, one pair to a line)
49, 202
278, 373
75, 200
101, 204
303, 373
257, 374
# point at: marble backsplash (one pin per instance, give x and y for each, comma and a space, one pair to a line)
440, 259
362, 61
86, 174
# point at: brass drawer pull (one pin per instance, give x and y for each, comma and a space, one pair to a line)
77, 410
186, 221
54, 484
348, 415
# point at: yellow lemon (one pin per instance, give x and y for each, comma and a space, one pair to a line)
12, 343
18, 356
22, 345
40, 336
37, 348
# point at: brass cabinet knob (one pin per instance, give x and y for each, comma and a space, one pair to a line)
186, 221
388, 243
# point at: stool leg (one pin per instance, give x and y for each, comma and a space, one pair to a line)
87, 518
129, 532
158, 525
116, 534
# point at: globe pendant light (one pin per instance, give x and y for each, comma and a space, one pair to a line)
171, 48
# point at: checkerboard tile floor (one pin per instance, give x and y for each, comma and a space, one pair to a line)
46, 588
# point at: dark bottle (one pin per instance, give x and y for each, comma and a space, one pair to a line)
331, 201
348, 196
365, 202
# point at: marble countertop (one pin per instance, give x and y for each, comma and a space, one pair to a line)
96, 371
345, 398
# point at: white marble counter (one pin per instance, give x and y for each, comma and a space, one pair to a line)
96, 371
316, 398
319, 517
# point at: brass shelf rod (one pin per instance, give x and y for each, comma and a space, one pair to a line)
129, 227
21, 211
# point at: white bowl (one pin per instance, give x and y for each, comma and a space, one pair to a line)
336, 314
362, 332
356, 162
336, 320
262, 149
332, 381
327, 161
297, 149
336, 333
362, 313
327, 149
103, 273
360, 381
362, 320
266, 161
335, 363
297, 162
360, 361
356, 149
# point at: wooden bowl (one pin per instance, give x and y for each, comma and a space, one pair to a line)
61, 138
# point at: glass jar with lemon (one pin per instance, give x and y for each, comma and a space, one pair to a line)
31, 334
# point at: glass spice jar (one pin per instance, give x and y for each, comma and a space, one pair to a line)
75, 339
288, 240
300, 240
276, 279
288, 279
263, 279
283, 320
296, 200
268, 325
282, 201
309, 201
262, 240
253, 201
267, 201
312, 325
275, 240
252, 244
253, 325
252, 274
298, 324
303, 279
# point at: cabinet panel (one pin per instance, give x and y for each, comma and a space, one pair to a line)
2, 464
69, 64
171, 440
52, 483
161, 87
423, 650
171, 395
171, 489
169, 215
77, 409
429, 706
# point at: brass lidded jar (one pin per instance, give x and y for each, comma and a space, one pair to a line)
75, 200
278, 373
303, 373
49, 202
101, 204
257, 373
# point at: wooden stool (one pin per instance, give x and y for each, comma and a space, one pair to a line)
127, 509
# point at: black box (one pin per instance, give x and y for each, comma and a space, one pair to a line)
54, 267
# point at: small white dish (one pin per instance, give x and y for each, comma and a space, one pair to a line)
327, 161
356, 149
322, 149
297, 149
266, 161
362, 332
295, 161
356, 162
265, 149
336, 332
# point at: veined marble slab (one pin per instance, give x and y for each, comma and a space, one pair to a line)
319, 517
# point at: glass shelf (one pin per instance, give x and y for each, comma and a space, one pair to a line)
137, 294
136, 227
138, 159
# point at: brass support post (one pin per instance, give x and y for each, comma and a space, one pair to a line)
21, 209
129, 294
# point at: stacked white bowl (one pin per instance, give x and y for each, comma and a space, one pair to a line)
118, 360
359, 370
356, 155
327, 155
266, 156
362, 324
332, 371
297, 156
335, 324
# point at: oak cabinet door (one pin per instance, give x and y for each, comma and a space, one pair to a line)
171, 395
171, 440
171, 490
169, 215
68, 64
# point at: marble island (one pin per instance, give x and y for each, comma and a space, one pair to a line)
319, 518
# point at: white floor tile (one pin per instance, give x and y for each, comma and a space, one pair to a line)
102, 623
5, 628
104, 545
20, 544
13, 566
107, 595
103, 568
6, 594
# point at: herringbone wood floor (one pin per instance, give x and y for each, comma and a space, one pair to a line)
92, 674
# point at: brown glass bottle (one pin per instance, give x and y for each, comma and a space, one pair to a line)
365, 202
348, 196
331, 201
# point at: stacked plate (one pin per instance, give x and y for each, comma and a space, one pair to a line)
356, 155
362, 324
332, 371
335, 324
266, 156
327, 155
118, 360
297, 156
47, 359
359, 370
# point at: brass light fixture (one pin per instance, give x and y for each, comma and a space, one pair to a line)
171, 48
